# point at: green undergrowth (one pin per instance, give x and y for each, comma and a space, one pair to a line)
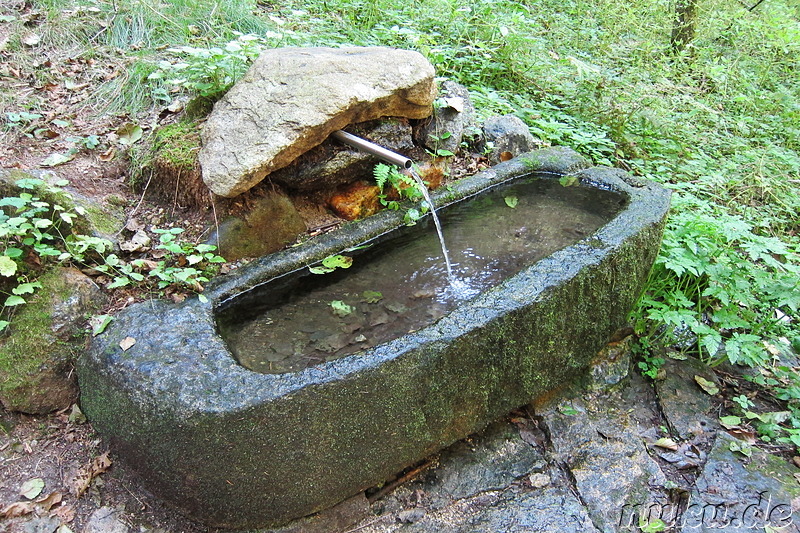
40, 227
718, 123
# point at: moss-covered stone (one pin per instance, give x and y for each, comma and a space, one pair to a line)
38, 353
102, 220
271, 223
176, 176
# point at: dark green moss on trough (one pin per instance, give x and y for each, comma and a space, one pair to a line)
240, 449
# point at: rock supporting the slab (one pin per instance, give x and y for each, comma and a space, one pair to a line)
270, 223
509, 137
274, 113
236, 448
332, 164
453, 120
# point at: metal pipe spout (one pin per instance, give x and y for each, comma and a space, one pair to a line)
372, 148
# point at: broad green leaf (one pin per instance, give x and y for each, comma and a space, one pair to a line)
511, 201
8, 267
119, 281
320, 270
14, 300
4, 324
99, 323
337, 261
26, 288
28, 183
730, 422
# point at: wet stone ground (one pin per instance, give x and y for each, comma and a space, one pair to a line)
588, 460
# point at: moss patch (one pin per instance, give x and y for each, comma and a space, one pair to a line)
176, 176
39, 351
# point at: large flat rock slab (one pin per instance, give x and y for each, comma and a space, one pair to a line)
291, 99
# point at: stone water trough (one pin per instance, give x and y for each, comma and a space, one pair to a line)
236, 448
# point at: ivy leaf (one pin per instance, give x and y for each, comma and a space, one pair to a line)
8, 267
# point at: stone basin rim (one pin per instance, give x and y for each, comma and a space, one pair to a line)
218, 367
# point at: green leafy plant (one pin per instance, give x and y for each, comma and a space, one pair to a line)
401, 186
440, 152
184, 264
35, 232
31, 228
209, 72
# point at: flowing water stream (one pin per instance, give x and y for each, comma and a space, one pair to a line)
401, 285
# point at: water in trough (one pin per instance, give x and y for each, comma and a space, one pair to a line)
303, 319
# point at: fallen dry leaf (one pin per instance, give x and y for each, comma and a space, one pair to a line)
100, 464
127, 343
666, 443
31, 39
108, 155
708, 386
51, 500
66, 513
17, 509
83, 478
32, 488
80, 483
